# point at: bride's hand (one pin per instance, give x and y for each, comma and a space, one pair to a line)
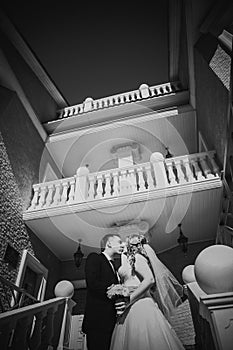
120, 307
110, 286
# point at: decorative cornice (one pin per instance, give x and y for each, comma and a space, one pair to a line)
131, 120
111, 115
131, 148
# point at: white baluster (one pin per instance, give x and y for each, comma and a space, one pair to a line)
116, 100
157, 161
115, 183
66, 110
138, 97
180, 173
72, 191
81, 188
64, 192
76, 109
132, 181
43, 191
49, 197
124, 184
57, 195
171, 174
105, 102
205, 167
189, 174
149, 178
34, 201
107, 185
213, 163
81, 108
141, 181
110, 101
127, 98
197, 170
122, 99
91, 191
133, 98
99, 192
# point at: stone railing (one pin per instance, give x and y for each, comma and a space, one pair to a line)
212, 318
157, 174
37, 326
143, 92
225, 235
13, 297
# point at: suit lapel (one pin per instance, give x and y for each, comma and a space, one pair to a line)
110, 267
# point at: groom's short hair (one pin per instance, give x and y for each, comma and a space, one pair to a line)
105, 239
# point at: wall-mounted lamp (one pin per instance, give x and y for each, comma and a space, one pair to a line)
168, 154
182, 240
78, 256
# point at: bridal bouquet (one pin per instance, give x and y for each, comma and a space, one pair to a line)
118, 293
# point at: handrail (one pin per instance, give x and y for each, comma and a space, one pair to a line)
13, 288
25, 310
33, 327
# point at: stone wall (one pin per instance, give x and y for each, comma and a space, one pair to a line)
212, 96
20, 153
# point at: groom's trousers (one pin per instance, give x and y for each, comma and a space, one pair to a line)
98, 339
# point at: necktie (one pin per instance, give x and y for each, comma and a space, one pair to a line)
114, 268
113, 265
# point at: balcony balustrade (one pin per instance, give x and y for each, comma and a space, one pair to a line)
144, 92
158, 174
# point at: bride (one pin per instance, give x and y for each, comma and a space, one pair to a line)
154, 295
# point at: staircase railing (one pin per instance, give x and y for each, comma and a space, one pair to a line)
36, 327
13, 297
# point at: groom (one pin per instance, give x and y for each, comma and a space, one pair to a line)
100, 313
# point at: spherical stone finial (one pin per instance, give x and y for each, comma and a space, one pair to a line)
156, 157
213, 269
64, 289
188, 275
82, 170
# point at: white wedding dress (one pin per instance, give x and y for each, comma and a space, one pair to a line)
142, 326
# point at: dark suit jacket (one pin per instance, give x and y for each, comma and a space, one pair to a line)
99, 312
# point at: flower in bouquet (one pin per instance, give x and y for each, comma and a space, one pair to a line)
118, 292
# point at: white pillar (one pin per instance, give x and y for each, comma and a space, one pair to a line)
81, 187
144, 89
87, 104
157, 161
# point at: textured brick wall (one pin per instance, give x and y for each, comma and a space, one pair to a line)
212, 100
21, 149
12, 228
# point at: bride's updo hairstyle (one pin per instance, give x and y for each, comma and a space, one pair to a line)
135, 245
